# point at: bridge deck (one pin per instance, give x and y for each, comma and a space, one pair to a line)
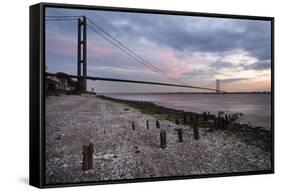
136, 81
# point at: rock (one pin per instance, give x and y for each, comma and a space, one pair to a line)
58, 137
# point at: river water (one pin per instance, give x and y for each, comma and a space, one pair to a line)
256, 108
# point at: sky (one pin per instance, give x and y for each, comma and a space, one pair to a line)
192, 50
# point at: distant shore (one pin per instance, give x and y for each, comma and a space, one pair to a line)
126, 148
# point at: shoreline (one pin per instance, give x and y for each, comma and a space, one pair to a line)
256, 108
122, 151
258, 136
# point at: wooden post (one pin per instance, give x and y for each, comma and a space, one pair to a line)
163, 142
184, 118
180, 135
229, 119
191, 119
177, 122
211, 126
221, 123
147, 124
226, 120
133, 125
205, 116
217, 123
157, 124
196, 118
196, 132
87, 156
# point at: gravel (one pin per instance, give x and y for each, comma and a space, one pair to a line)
123, 153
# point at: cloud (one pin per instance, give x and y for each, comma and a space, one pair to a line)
196, 34
233, 80
199, 73
191, 49
222, 65
260, 65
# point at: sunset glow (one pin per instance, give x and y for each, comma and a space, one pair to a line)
194, 50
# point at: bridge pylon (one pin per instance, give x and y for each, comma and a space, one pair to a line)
82, 55
218, 86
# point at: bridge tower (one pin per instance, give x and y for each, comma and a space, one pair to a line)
218, 86
82, 54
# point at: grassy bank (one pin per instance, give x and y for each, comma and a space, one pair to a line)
254, 136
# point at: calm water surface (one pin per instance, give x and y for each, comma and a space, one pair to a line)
256, 108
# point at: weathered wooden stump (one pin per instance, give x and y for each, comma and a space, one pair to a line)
229, 119
196, 132
87, 157
177, 122
147, 124
157, 124
191, 119
211, 127
217, 122
163, 141
205, 116
184, 118
223, 123
133, 125
180, 135
226, 120
196, 118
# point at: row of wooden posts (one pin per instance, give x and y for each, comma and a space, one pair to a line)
163, 139
218, 122
88, 150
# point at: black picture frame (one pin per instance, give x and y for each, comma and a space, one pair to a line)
37, 92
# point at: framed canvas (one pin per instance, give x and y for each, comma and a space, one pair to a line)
123, 95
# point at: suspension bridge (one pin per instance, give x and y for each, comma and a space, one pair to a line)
84, 25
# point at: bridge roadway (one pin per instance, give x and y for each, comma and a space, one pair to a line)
134, 81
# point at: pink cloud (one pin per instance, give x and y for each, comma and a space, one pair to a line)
61, 45
100, 51
169, 64
67, 46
